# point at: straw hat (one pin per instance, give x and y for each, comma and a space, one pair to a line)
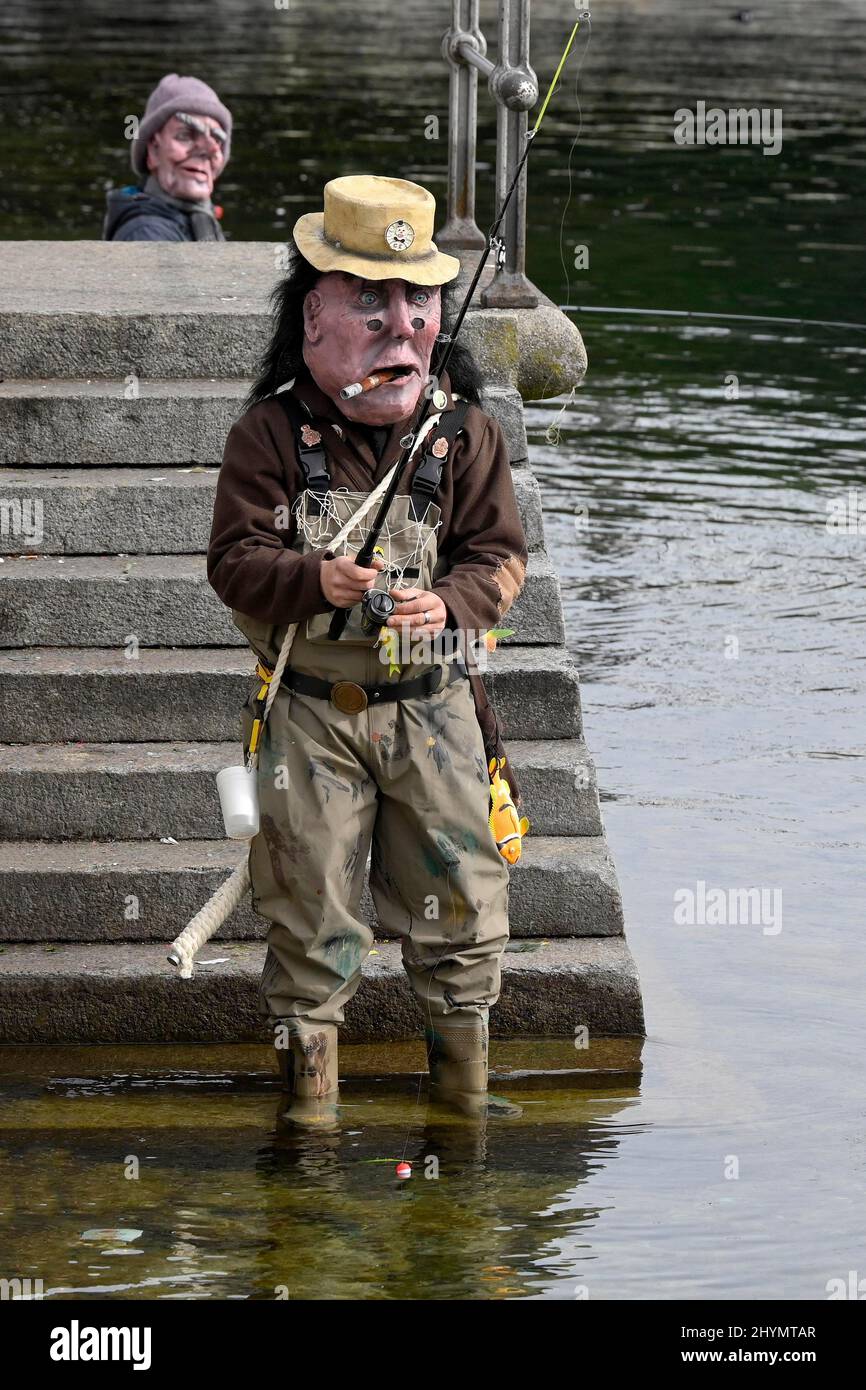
379, 228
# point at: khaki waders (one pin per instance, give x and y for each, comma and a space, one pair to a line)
406, 779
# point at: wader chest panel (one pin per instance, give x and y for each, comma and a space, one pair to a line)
408, 539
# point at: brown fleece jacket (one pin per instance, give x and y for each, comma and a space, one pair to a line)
482, 552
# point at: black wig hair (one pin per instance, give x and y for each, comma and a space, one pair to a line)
283, 358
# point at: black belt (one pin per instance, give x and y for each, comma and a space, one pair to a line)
350, 697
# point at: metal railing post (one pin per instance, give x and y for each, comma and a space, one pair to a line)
514, 87
461, 231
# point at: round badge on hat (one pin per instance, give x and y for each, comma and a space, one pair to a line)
400, 235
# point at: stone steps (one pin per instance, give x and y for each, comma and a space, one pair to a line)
122, 677
142, 890
141, 791
129, 993
162, 311
160, 510
98, 695
166, 601
134, 309
91, 422
133, 421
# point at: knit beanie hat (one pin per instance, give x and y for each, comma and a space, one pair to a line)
173, 94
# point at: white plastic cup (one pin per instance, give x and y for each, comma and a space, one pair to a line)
239, 800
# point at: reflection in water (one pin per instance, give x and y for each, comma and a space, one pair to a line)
232, 1201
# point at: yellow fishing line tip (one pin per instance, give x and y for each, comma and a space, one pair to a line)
552, 86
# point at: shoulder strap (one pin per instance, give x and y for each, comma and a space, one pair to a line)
309, 449
428, 474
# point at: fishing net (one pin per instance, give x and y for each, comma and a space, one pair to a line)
403, 540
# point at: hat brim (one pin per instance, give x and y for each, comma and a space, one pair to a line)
432, 268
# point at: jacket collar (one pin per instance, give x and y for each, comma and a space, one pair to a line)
342, 437
154, 188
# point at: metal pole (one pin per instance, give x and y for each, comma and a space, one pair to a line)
461, 232
515, 87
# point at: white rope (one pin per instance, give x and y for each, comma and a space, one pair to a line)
209, 919
227, 897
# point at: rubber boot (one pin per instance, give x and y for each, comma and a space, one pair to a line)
457, 1057
308, 1068
307, 1057
314, 1053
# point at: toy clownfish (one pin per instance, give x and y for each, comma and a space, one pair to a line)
505, 824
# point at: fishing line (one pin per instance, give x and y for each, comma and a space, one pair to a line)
491, 243
703, 314
572, 148
553, 433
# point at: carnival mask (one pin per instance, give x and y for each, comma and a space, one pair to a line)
354, 327
187, 155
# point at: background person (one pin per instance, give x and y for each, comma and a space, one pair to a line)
182, 147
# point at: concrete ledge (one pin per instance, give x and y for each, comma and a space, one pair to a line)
108, 511
129, 993
528, 493
93, 422
83, 891
505, 404
49, 422
145, 791
99, 696
105, 309
166, 601
160, 510
246, 1067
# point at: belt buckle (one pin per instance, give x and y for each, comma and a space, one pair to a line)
348, 697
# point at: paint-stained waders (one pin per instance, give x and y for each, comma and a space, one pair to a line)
405, 779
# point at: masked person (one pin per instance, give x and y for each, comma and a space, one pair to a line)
182, 147
362, 751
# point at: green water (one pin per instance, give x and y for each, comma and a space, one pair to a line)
173, 1172
706, 524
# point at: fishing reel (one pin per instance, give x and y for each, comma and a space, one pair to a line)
376, 609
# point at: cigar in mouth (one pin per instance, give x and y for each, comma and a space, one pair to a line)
369, 383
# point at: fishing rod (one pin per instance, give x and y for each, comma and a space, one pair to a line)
447, 341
